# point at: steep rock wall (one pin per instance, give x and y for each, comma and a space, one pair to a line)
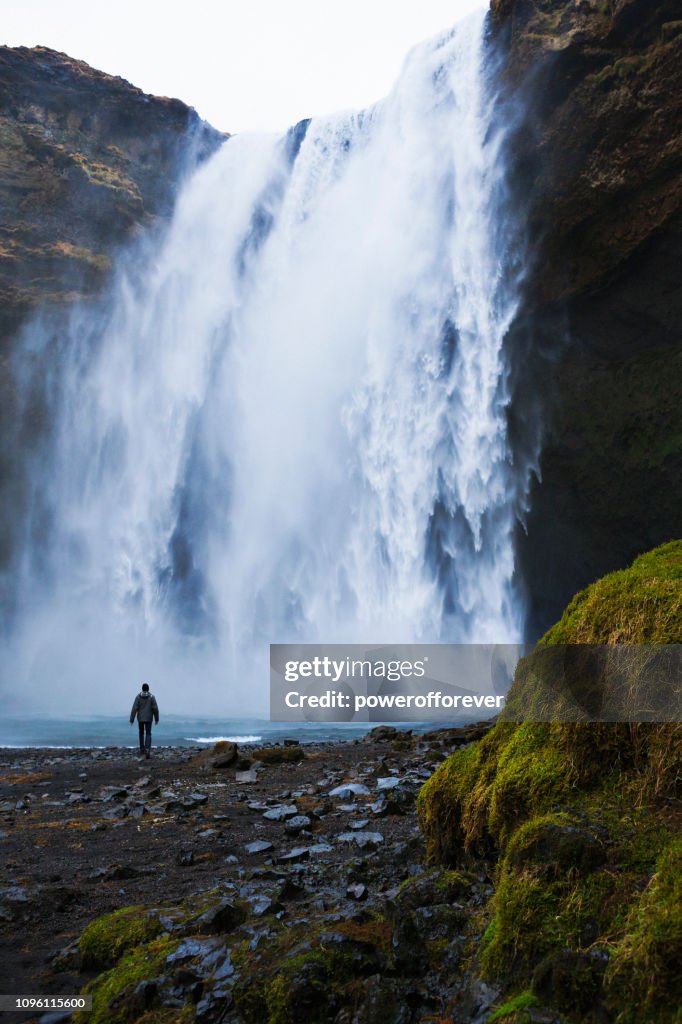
84, 159
597, 166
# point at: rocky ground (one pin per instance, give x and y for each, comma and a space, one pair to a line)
251, 866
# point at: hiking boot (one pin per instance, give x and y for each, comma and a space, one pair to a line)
147, 754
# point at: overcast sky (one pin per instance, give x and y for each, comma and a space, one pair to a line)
244, 64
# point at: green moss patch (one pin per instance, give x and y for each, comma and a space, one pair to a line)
571, 820
643, 978
107, 938
118, 995
638, 605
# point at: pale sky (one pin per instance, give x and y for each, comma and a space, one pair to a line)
245, 65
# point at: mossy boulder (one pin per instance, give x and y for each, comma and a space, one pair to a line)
308, 973
107, 938
638, 605
579, 825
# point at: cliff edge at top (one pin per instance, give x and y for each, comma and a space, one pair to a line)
84, 157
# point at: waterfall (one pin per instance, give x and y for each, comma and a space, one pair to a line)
287, 420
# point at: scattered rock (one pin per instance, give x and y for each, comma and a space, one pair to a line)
349, 790
299, 853
259, 846
295, 825
363, 840
281, 812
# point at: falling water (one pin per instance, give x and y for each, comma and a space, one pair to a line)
287, 421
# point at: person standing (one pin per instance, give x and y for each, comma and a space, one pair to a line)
147, 711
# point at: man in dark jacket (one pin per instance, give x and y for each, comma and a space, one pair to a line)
147, 710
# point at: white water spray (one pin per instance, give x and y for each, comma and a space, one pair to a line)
289, 424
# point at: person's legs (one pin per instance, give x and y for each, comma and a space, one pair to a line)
147, 738
140, 727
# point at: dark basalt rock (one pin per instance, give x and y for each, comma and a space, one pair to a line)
595, 92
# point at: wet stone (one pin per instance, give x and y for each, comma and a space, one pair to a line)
387, 783
281, 812
259, 846
299, 853
297, 824
320, 849
348, 790
363, 840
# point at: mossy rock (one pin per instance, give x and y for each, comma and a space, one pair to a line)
307, 973
479, 795
127, 991
643, 978
570, 819
107, 938
638, 605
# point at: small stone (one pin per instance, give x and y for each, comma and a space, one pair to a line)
387, 783
295, 825
359, 824
245, 777
281, 812
348, 790
319, 849
260, 905
295, 856
113, 793
357, 892
120, 811
197, 799
222, 917
184, 858
259, 846
369, 840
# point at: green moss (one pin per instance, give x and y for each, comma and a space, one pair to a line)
643, 978
638, 605
570, 819
515, 1008
113, 992
480, 793
305, 972
107, 938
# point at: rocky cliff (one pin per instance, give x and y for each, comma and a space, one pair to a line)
595, 89
84, 158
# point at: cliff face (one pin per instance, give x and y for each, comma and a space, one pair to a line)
84, 158
597, 165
